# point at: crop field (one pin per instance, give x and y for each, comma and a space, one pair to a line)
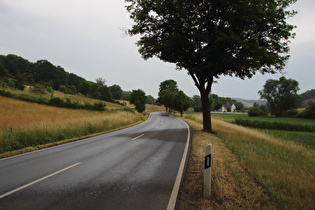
24, 124
254, 168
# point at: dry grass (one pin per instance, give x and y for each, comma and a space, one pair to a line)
25, 124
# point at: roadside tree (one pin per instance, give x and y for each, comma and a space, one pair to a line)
181, 102
167, 90
211, 38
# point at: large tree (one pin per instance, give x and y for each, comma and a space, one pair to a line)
210, 38
281, 95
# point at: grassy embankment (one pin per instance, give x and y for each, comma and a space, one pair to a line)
250, 169
29, 126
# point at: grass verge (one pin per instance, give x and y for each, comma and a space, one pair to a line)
250, 169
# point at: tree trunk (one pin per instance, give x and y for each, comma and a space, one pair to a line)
204, 86
207, 127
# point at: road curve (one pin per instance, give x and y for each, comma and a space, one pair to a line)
134, 168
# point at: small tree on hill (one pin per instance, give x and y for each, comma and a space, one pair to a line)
138, 98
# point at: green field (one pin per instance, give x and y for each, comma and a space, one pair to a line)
300, 137
231, 117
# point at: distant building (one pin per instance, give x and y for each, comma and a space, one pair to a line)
229, 107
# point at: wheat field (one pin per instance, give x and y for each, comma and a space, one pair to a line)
24, 124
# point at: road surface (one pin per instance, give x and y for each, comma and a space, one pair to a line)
134, 168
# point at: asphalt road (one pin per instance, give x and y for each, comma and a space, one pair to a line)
134, 168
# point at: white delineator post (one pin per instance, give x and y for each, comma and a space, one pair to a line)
207, 172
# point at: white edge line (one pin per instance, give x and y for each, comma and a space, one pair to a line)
138, 137
173, 198
38, 180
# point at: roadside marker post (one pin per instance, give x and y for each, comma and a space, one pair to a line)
207, 172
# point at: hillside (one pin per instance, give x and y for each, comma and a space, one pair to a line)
17, 72
307, 96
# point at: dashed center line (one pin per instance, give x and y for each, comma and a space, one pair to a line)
38, 180
138, 137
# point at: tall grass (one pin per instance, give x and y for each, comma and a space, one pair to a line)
25, 124
284, 169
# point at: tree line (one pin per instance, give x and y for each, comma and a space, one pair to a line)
16, 72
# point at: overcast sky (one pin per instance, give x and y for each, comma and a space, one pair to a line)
86, 37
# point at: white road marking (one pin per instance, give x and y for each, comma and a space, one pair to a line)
38, 180
138, 137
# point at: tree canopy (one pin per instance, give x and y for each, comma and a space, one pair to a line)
138, 98
173, 98
210, 38
281, 95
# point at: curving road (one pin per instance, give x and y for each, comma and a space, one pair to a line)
134, 168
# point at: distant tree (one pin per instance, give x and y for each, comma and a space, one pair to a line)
94, 90
63, 88
281, 95
210, 38
105, 93
3, 72
100, 81
138, 98
15, 64
181, 102
196, 101
150, 99
257, 110
167, 90
116, 91
71, 89
126, 95
84, 88
19, 81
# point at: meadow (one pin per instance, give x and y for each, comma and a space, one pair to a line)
251, 168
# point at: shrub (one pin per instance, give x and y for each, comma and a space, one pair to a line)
58, 102
256, 111
99, 106
38, 89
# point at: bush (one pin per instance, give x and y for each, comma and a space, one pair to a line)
100, 106
256, 111
38, 89
58, 102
